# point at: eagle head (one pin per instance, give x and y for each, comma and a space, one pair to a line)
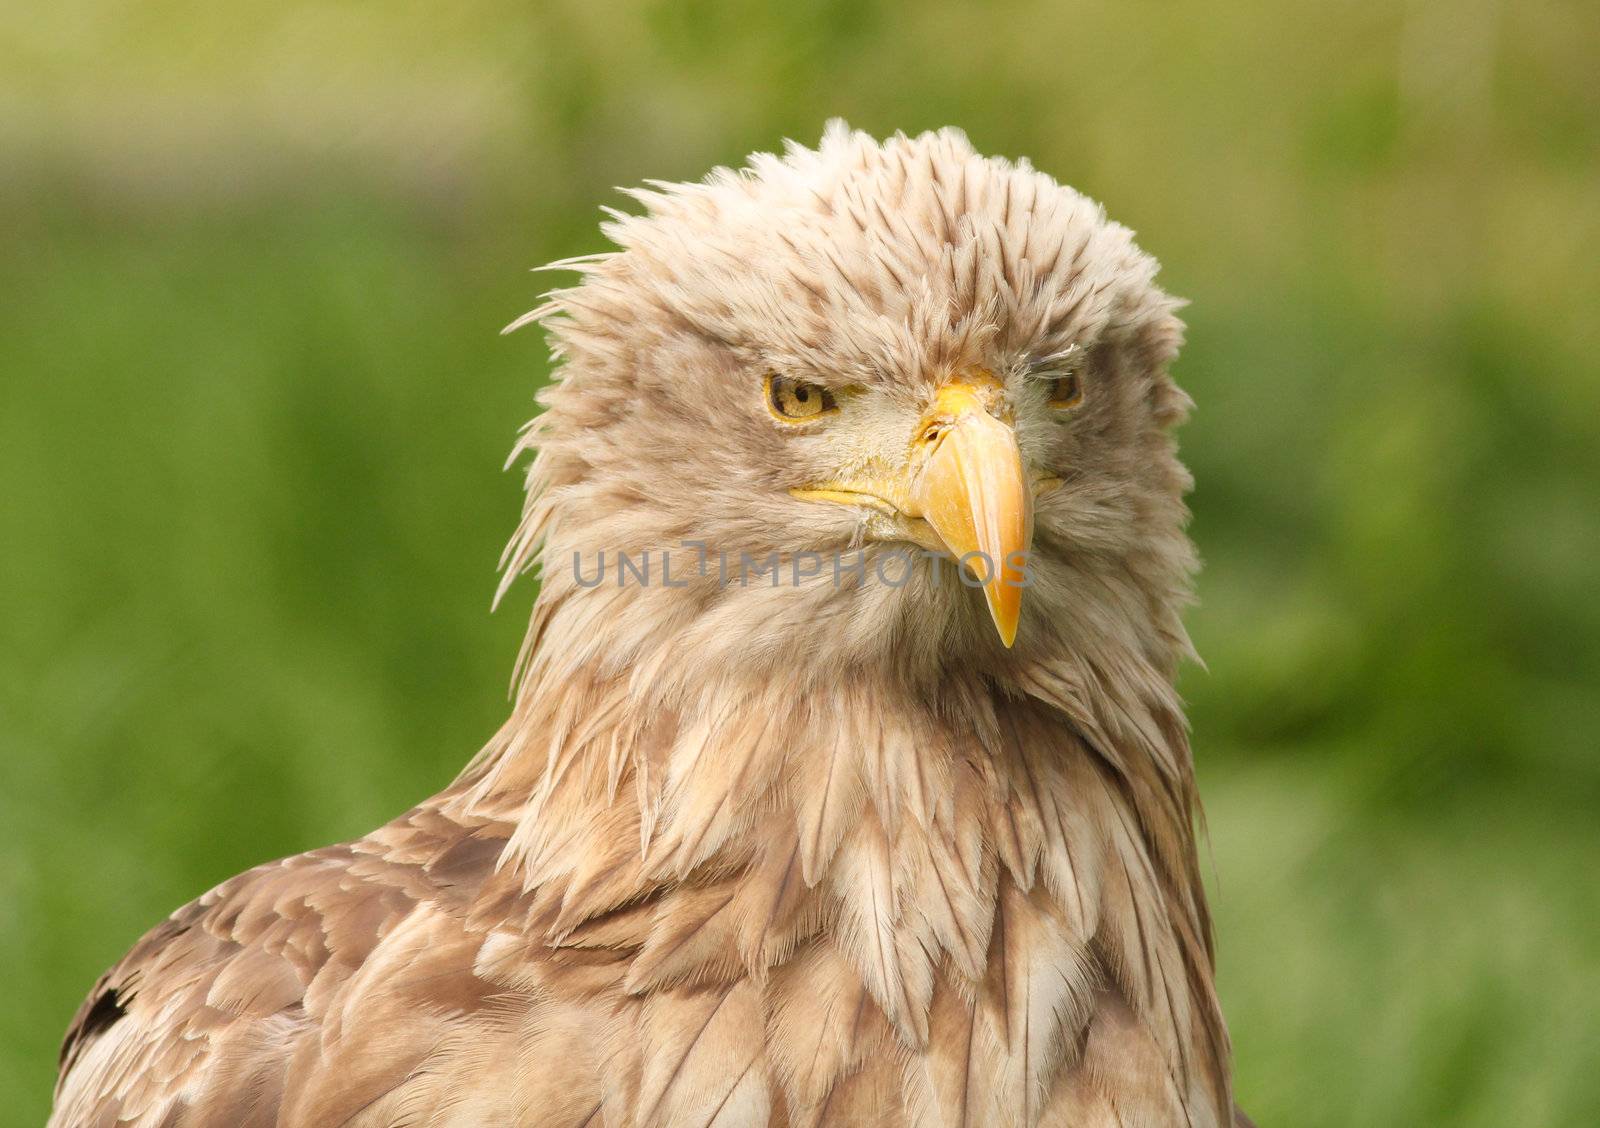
869, 402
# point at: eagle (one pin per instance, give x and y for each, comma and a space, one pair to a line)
845, 781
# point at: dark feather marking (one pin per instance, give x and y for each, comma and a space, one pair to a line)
106, 1010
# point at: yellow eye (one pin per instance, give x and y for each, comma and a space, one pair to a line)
795, 401
1066, 392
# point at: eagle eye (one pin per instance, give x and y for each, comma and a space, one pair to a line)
1066, 391
796, 401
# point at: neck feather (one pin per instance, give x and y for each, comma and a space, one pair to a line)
928, 837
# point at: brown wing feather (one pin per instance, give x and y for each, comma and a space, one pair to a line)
231, 1010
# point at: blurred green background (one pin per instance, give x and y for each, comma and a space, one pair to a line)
253, 405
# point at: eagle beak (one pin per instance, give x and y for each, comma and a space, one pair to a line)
973, 491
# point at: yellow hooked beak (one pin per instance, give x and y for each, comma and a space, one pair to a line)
973, 491
964, 478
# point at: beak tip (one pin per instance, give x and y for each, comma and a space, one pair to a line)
1007, 617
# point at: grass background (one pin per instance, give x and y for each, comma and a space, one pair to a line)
253, 406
